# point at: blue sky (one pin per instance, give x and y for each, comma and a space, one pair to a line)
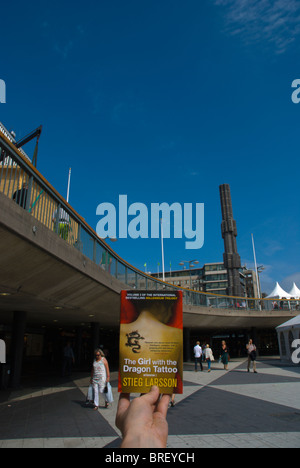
164, 101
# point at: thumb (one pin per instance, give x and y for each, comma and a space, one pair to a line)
152, 396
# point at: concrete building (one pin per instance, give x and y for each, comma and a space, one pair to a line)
212, 278
250, 281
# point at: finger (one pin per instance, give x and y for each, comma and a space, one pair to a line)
124, 402
163, 405
123, 405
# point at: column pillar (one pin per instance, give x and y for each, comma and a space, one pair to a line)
79, 345
17, 348
187, 344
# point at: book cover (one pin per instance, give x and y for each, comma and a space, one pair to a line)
151, 341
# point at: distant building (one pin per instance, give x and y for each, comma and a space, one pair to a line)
250, 283
211, 278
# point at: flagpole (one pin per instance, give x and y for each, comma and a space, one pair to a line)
162, 249
69, 183
256, 272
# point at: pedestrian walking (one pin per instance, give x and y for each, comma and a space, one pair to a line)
252, 355
198, 356
224, 355
100, 377
209, 356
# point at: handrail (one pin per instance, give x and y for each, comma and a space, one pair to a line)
22, 182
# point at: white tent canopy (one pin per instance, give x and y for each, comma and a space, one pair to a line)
288, 333
279, 293
295, 292
290, 324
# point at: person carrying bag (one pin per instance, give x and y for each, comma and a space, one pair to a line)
252, 355
100, 377
108, 393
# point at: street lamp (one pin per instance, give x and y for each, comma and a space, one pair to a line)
191, 263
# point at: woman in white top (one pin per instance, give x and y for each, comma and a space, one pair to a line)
209, 357
100, 376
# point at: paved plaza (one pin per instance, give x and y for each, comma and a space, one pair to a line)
221, 409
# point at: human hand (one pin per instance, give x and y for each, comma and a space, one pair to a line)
143, 421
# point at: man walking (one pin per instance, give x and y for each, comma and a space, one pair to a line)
198, 356
251, 350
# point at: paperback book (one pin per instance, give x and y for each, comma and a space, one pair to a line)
151, 342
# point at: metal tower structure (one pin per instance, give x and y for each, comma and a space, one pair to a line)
232, 260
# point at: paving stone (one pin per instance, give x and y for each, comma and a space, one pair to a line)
220, 409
